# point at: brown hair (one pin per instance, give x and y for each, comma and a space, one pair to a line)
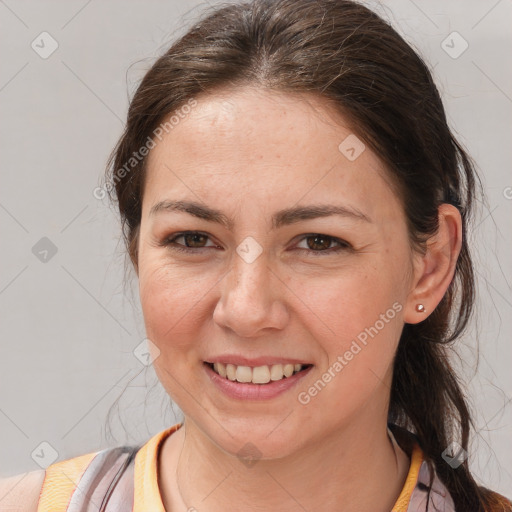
347, 54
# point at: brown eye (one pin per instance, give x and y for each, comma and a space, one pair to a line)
319, 244
194, 239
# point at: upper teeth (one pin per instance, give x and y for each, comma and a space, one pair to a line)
257, 375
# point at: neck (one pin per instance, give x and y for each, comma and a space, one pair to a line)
352, 472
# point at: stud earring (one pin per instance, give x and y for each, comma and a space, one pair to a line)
420, 308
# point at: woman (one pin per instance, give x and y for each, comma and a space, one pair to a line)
296, 208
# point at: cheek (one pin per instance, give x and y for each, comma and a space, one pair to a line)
171, 304
356, 320
344, 305
356, 317
173, 315
364, 332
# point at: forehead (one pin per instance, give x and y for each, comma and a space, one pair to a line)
250, 144
258, 121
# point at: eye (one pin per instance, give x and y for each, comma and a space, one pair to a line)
318, 244
193, 240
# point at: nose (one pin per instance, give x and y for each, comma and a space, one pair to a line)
252, 298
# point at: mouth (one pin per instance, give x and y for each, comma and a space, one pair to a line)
259, 374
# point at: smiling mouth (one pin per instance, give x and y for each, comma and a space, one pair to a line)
257, 375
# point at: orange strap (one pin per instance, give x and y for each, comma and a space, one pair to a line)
147, 493
60, 482
402, 503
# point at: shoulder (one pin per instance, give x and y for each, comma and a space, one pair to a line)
43, 488
20, 493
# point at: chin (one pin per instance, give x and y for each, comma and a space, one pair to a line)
251, 442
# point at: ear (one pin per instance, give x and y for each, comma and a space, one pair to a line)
434, 270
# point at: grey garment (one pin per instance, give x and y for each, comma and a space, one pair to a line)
425, 497
107, 485
437, 496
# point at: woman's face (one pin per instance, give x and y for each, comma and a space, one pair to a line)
267, 276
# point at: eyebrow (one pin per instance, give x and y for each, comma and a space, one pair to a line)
281, 218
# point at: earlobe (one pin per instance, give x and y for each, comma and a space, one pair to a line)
435, 269
420, 308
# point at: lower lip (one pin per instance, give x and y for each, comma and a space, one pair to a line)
250, 391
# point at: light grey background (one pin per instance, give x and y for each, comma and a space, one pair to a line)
69, 326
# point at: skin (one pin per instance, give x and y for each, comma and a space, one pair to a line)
250, 153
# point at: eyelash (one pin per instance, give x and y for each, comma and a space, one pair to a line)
171, 244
